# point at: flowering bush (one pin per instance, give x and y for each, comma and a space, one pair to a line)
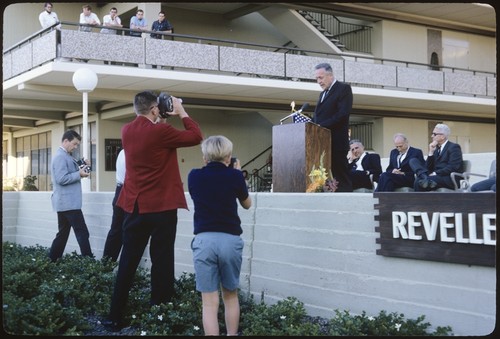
320, 182
66, 299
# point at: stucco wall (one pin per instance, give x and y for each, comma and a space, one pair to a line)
320, 248
402, 41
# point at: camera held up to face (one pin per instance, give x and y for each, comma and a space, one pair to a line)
165, 104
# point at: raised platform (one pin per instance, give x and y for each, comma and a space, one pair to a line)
319, 247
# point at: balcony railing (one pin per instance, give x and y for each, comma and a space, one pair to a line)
240, 59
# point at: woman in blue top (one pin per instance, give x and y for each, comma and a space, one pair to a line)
217, 245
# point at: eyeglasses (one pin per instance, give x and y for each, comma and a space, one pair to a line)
434, 134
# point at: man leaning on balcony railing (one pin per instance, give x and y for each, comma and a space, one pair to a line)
88, 18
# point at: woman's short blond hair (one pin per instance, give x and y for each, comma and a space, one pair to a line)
216, 148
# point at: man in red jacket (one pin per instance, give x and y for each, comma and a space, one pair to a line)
150, 196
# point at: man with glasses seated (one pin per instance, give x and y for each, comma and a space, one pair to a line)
444, 158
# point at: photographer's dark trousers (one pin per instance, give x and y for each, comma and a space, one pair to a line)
66, 220
113, 244
138, 228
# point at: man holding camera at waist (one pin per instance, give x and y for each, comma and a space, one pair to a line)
67, 173
150, 196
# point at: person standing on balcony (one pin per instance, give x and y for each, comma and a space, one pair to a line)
67, 197
138, 24
113, 244
151, 195
89, 18
399, 173
332, 111
48, 18
111, 20
216, 190
161, 25
444, 158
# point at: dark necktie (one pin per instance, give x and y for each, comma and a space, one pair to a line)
400, 155
439, 150
325, 93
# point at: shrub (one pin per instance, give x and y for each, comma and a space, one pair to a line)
45, 298
29, 183
286, 317
10, 184
384, 324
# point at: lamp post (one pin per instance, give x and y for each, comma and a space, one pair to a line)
85, 81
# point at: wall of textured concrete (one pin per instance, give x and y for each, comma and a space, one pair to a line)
320, 248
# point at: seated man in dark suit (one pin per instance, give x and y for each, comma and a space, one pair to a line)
362, 164
399, 173
444, 157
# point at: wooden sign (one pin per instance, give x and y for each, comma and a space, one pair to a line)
448, 227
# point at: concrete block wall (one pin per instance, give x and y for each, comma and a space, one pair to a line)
320, 248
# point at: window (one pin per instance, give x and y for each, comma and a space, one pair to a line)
33, 158
362, 131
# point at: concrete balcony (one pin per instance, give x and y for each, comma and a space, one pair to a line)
234, 58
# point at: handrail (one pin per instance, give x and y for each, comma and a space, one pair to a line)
257, 156
29, 38
270, 47
257, 183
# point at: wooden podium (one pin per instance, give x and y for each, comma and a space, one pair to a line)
296, 148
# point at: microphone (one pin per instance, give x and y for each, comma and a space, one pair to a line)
304, 106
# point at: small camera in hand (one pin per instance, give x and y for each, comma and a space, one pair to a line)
165, 104
82, 164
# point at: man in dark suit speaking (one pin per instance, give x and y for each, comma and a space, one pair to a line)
332, 111
443, 158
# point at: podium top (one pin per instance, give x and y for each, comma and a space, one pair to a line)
299, 124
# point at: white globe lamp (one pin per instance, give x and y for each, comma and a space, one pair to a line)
85, 81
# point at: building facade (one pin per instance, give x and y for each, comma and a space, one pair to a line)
238, 67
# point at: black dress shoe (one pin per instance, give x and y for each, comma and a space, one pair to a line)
112, 326
432, 184
424, 183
